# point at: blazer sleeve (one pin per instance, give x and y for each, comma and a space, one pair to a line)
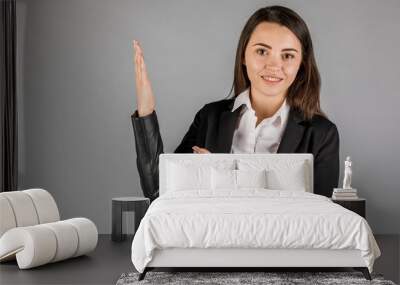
149, 146
326, 164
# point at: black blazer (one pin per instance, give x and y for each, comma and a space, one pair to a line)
213, 128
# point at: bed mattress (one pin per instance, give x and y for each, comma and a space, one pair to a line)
251, 219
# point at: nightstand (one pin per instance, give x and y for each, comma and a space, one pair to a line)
356, 205
138, 205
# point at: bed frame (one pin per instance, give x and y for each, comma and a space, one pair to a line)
241, 259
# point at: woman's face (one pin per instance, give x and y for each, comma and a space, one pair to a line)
272, 57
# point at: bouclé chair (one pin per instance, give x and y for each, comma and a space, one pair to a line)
32, 233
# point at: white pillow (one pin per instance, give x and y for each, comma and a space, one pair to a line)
281, 174
183, 177
230, 179
251, 178
223, 178
289, 179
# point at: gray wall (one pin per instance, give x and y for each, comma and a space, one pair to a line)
76, 89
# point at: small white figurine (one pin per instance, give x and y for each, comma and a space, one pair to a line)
347, 174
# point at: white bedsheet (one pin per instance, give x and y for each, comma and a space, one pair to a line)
251, 218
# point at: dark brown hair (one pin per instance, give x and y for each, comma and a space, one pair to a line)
303, 93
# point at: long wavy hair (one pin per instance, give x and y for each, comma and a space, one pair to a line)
303, 93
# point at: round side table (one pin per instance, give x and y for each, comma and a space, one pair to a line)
138, 205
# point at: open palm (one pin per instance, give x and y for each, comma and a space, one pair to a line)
144, 93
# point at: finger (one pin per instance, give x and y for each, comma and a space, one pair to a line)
200, 149
142, 64
138, 54
140, 48
143, 71
204, 150
140, 60
134, 45
135, 50
138, 73
139, 67
143, 67
136, 61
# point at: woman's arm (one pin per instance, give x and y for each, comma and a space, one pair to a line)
149, 146
145, 126
148, 140
326, 164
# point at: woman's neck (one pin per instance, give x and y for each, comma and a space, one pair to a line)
265, 106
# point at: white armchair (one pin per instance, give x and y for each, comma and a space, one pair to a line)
31, 230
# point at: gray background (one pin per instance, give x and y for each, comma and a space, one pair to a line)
76, 90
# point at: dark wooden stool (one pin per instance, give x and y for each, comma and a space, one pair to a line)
138, 205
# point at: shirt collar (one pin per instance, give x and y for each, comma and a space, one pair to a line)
243, 98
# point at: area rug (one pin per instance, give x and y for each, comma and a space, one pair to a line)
244, 278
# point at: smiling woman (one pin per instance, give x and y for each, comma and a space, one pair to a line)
275, 107
272, 59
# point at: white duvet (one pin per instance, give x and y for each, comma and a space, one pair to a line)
252, 218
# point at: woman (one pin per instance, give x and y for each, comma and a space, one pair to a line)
275, 108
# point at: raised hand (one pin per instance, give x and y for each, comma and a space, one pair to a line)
144, 93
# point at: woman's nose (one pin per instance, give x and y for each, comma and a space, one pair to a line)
272, 62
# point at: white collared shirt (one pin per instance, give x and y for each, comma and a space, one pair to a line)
266, 137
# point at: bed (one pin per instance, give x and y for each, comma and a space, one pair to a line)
247, 210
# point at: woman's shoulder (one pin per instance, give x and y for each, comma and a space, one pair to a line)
322, 122
218, 106
323, 126
221, 104
319, 123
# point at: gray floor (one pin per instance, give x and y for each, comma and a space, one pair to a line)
110, 259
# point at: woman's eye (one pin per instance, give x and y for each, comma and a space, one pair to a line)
261, 51
288, 56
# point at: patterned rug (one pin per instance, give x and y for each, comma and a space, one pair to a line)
243, 278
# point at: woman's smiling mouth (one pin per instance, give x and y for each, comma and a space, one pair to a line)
271, 79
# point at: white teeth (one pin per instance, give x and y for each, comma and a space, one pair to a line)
269, 78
